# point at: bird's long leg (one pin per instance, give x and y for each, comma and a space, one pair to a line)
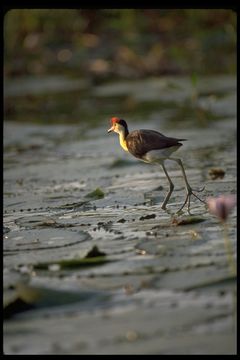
189, 190
171, 187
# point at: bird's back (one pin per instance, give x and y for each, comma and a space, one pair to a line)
139, 142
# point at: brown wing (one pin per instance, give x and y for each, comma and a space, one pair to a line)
139, 142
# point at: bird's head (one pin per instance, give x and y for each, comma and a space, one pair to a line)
118, 125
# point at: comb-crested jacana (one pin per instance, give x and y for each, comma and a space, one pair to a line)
153, 147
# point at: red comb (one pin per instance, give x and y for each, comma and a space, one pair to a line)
114, 120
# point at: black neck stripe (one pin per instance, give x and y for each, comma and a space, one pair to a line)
123, 123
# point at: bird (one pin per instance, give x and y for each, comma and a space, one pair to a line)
153, 147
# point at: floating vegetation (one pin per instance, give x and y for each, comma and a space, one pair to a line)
187, 220
73, 263
150, 216
93, 257
96, 194
94, 252
121, 220
74, 205
36, 295
216, 173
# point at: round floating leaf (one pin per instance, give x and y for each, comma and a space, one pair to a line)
41, 239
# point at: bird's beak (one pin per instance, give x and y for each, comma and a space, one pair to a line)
111, 129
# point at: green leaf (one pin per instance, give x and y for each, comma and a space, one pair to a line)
96, 194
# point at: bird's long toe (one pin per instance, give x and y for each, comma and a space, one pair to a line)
188, 199
198, 190
179, 210
203, 201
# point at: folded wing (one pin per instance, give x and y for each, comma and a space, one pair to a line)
139, 142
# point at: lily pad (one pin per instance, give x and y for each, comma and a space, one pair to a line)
40, 239
36, 221
29, 247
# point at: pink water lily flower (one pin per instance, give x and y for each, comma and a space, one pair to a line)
222, 205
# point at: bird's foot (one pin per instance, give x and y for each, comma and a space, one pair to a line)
188, 199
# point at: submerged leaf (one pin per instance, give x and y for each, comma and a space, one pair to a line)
120, 163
